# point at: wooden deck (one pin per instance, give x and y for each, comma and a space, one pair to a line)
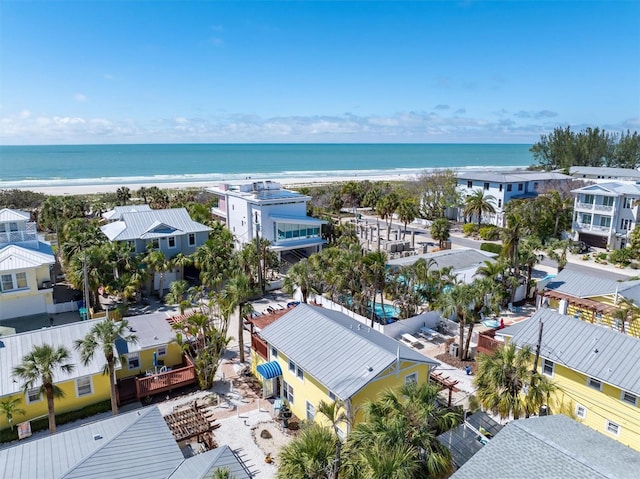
166, 381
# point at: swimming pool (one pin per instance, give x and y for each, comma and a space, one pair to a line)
390, 311
491, 323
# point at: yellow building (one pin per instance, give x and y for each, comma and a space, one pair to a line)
596, 369
85, 385
312, 354
25, 265
593, 299
155, 348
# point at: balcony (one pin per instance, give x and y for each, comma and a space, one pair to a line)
592, 228
30, 233
602, 207
161, 382
584, 206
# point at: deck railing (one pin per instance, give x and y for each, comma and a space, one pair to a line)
166, 381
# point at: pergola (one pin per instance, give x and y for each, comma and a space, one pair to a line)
583, 303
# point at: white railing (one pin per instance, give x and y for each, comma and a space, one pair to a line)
584, 206
62, 307
18, 236
588, 227
603, 207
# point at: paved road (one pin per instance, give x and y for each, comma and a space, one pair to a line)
574, 264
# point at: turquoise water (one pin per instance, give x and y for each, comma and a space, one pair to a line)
24, 166
390, 311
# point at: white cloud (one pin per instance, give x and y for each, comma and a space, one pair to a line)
80, 97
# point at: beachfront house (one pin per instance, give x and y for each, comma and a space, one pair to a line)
550, 446
606, 213
602, 173
593, 299
311, 354
503, 187
265, 209
171, 231
595, 368
116, 213
135, 445
25, 267
83, 386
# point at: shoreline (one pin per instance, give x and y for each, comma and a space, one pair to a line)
287, 182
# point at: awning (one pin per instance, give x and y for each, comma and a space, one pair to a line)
270, 370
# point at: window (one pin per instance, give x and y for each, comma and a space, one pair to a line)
332, 395
613, 428
500, 187
607, 200
133, 361
13, 226
486, 186
469, 184
628, 202
288, 391
153, 244
162, 350
520, 186
34, 395
605, 221
297, 370
274, 353
535, 185
14, 281
84, 387
192, 239
411, 379
171, 241
548, 368
595, 384
509, 187
625, 224
300, 374
586, 219
629, 398
581, 411
311, 411
589, 199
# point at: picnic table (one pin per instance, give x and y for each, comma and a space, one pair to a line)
428, 333
408, 338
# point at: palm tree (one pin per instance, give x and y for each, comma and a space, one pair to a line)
625, 313
503, 378
103, 336
222, 473
386, 207
177, 294
457, 300
560, 210
39, 367
308, 456
408, 210
476, 204
9, 407
158, 263
409, 419
238, 291
335, 413
557, 251
440, 231
300, 275
516, 228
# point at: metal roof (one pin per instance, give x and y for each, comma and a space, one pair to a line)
14, 257
459, 258
581, 285
116, 212
512, 176
136, 445
17, 346
318, 340
152, 224
203, 466
611, 188
7, 215
596, 351
551, 447
151, 330
298, 219
604, 171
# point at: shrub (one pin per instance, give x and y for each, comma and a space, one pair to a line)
491, 247
489, 233
469, 228
621, 256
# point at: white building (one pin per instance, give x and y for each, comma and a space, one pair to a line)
264, 208
603, 173
25, 267
606, 213
504, 187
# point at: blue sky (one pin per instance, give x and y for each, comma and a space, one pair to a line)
144, 71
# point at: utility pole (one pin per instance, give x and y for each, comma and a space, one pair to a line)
535, 362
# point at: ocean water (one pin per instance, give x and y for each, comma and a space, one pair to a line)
37, 166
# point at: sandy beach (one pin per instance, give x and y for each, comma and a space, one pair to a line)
288, 182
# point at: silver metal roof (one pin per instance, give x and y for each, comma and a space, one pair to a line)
611, 188
135, 445
596, 351
16, 346
13, 257
512, 176
459, 258
551, 447
605, 171
116, 212
582, 285
7, 214
341, 353
151, 330
152, 224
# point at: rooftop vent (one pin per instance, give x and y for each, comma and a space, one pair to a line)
97, 437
